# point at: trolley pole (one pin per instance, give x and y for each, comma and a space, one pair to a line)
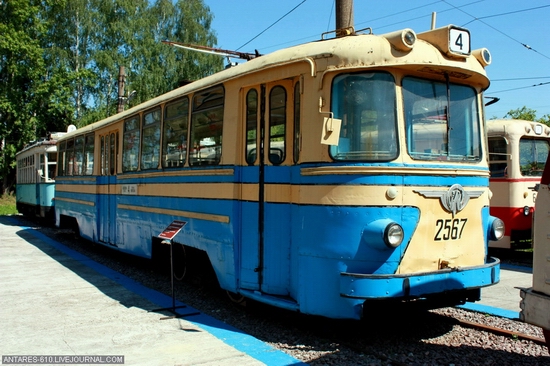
121, 80
344, 17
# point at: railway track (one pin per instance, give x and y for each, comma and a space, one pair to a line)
504, 332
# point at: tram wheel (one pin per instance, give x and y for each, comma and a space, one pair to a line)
236, 298
180, 262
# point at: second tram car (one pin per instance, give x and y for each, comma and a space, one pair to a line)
535, 303
517, 155
35, 178
324, 178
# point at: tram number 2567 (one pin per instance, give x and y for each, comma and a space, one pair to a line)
449, 229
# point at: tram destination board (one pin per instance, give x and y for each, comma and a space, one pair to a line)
172, 229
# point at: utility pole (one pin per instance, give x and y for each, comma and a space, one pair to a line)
344, 17
121, 79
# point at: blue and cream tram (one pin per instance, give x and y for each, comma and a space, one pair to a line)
321, 178
35, 178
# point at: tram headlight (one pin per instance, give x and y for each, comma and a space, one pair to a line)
497, 229
393, 235
526, 210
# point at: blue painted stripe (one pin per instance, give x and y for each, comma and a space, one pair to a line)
293, 175
230, 335
504, 313
282, 177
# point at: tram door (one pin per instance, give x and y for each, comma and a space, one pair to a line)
265, 251
106, 210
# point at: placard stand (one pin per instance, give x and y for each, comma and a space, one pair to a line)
167, 235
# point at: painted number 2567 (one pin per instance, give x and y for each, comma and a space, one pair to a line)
449, 229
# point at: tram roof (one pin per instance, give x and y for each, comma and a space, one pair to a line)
497, 127
324, 56
44, 143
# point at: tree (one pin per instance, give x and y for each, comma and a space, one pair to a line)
22, 70
59, 61
527, 114
545, 119
524, 113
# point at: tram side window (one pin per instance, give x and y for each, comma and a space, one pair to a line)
79, 155
150, 147
532, 156
366, 104
113, 144
206, 127
61, 158
26, 170
174, 143
52, 163
69, 158
42, 172
104, 169
19, 175
88, 165
130, 147
296, 123
277, 125
251, 126
497, 157
30, 169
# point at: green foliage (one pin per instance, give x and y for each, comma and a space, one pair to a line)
527, 114
60, 59
545, 119
524, 113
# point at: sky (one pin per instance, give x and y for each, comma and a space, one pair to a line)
517, 34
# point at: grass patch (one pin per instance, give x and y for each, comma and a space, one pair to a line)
7, 205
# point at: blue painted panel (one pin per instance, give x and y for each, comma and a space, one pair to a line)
277, 243
46, 194
319, 289
340, 233
249, 253
249, 174
26, 193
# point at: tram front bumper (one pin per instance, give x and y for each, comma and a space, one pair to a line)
418, 285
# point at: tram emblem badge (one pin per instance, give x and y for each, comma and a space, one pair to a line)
454, 199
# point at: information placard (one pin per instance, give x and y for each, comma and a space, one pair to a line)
172, 229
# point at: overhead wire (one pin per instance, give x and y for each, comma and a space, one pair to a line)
497, 30
508, 13
413, 9
522, 87
529, 78
330, 15
480, 19
277, 21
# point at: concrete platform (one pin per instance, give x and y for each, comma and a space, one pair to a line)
55, 301
503, 299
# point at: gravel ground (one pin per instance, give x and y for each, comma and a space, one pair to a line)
427, 338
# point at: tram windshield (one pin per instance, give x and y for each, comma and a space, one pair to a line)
441, 121
365, 102
532, 156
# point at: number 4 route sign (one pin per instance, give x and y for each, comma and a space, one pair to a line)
172, 229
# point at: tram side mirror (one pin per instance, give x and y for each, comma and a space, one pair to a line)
331, 131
